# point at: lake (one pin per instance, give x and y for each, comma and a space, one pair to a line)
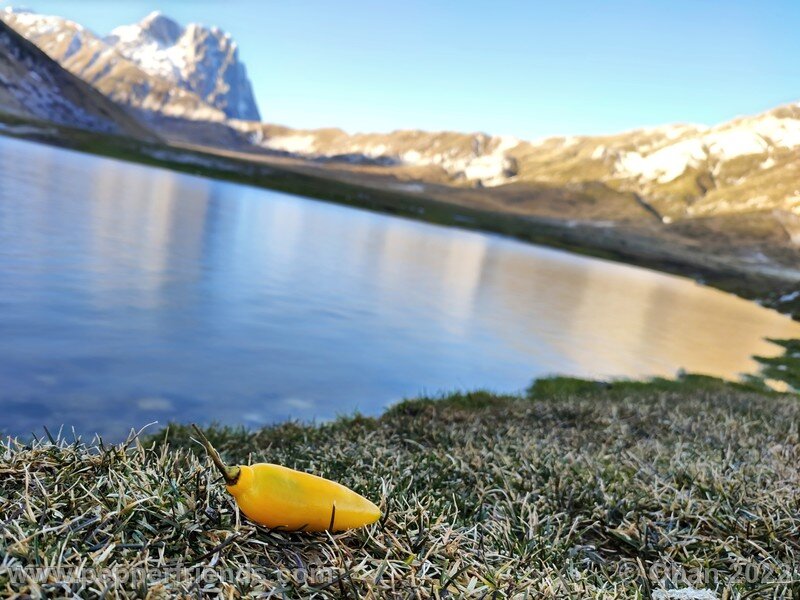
130, 294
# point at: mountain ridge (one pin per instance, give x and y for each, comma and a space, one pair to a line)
683, 170
34, 87
207, 81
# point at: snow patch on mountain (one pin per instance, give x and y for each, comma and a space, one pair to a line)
294, 144
727, 145
784, 133
665, 164
490, 169
41, 24
793, 204
598, 152
152, 44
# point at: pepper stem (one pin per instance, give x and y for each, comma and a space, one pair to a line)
229, 474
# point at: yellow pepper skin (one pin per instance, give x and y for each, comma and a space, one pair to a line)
279, 497
276, 496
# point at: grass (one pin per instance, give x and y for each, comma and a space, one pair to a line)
785, 367
573, 489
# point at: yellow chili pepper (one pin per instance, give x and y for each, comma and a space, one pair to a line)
279, 497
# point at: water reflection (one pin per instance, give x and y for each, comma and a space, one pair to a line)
130, 294
145, 225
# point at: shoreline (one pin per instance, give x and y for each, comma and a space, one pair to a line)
629, 246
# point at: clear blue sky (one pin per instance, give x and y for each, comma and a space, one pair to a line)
515, 67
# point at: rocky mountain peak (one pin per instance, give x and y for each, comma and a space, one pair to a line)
155, 65
160, 28
202, 60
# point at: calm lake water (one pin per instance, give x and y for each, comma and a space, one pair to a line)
130, 294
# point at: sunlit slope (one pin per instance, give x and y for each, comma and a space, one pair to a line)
679, 170
36, 87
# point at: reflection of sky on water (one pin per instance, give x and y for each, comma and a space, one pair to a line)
129, 295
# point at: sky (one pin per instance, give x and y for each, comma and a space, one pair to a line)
523, 68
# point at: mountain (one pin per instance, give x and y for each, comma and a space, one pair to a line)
155, 65
678, 171
33, 86
456, 158
201, 60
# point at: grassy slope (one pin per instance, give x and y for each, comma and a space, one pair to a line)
80, 100
576, 490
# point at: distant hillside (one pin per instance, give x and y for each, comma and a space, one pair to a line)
679, 171
154, 65
34, 86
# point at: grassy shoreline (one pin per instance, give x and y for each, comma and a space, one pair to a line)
580, 239
574, 489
